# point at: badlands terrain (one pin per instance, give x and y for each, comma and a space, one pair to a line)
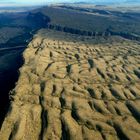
72, 89
19, 24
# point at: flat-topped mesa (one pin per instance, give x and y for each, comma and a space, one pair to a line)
70, 88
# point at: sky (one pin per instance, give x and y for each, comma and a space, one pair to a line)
38, 2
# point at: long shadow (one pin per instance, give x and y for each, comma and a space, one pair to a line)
10, 62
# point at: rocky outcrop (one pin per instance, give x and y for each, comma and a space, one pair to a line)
105, 34
70, 89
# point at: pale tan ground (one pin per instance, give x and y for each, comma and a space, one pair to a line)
72, 90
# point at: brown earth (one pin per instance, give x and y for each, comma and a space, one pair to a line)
75, 90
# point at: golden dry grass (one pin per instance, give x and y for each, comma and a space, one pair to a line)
70, 89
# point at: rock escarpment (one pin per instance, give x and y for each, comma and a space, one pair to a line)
73, 90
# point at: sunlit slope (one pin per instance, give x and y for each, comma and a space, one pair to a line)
71, 89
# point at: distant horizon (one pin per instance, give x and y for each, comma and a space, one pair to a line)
11, 3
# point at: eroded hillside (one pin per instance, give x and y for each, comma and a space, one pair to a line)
72, 89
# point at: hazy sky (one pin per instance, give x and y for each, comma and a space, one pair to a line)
31, 2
